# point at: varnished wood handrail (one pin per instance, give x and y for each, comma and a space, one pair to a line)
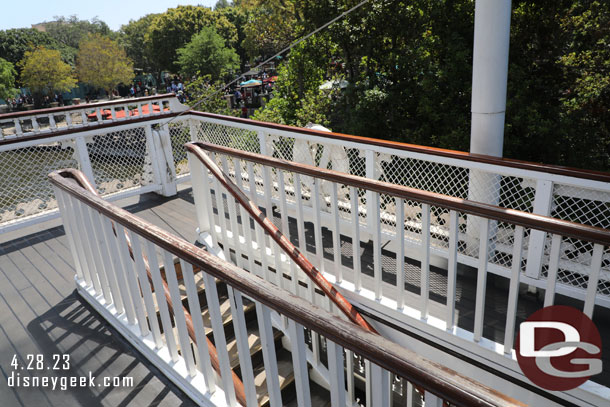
434, 151
525, 219
60, 109
240, 393
435, 378
285, 244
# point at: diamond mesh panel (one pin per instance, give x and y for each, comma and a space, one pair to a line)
25, 188
581, 205
233, 137
119, 160
180, 134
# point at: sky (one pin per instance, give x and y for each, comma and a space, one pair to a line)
24, 13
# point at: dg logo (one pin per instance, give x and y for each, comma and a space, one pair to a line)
559, 348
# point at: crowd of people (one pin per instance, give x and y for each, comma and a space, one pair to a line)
19, 102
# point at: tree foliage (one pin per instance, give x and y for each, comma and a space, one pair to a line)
208, 96
173, 29
14, 43
272, 25
102, 63
43, 71
134, 41
7, 79
206, 54
70, 31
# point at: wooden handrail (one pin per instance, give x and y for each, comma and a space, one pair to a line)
60, 109
441, 152
525, 219
435, 378
285, 244
240, 393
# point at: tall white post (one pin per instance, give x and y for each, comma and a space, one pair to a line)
489, 75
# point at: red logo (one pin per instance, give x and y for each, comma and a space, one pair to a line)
559, 348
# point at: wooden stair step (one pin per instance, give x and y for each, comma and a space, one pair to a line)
285, 374
254, 344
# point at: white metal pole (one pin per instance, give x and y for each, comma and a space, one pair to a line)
489, 75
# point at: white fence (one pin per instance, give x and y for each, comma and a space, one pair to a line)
122, 262
339, 210
125, 153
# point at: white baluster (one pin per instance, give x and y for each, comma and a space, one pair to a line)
479, 311
153, 265
336, 373
452, 268
145, 286
130, 273
596, 265
241, 337
117, 270
260, 236
355, 210
374, 218
211, 294
269, 357
299, 362
179, 316
400, 254
245, 216
425, 260
513, 291
551, 280
380, 387
334, 200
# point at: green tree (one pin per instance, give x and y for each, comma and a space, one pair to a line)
209, 95
43, 71
134, 41
102, 63
16, 42
271, 26
7, 79
171, 30
206, 54
70, 31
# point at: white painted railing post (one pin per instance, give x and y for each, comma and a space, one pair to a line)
199, 184
370, 173
82, 155
163, 155
535, 248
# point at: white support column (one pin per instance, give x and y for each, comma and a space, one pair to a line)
489, 75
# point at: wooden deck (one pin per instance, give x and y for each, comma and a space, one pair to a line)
41, 314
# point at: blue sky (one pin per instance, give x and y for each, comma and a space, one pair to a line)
24, 13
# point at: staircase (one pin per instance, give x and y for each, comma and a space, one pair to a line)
320, 395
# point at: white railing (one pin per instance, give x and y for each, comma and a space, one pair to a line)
339, 207
126, 269
45, 121
577, 196
139, 154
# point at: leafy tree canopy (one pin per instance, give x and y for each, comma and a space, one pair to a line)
102, 63
7, 79
171, 30
134, 41
14, 43
43, 71
206, 54
70, 31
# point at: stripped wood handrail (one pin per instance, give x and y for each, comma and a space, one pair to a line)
435, 378
60, 109
285, 244
240, 394
516, 217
